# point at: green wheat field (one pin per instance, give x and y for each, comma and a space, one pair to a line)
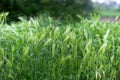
43, 48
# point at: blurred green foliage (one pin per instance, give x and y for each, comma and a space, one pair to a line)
56, 8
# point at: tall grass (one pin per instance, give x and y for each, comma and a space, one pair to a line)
45, 49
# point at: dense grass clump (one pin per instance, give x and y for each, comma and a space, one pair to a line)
46, 49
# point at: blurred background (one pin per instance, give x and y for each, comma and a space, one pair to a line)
60, 8
107, 9
110, 8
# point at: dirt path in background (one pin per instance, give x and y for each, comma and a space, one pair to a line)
111, 19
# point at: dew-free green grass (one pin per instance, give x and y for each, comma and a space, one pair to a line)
46, 49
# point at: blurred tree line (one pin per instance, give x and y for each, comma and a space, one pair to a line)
54, 7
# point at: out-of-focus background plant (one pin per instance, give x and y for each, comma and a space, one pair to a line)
60, 8
56, 8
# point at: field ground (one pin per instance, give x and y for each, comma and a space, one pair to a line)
109, 13
110, 19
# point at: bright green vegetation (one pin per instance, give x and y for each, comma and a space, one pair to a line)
46, 49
